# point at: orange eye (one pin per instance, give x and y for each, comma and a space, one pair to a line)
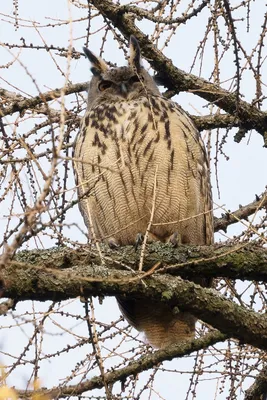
103, 85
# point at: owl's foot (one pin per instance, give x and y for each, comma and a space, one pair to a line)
112, 243
138, 240
174, 239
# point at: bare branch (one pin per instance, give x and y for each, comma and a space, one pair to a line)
21, 104
141, 13
242, 213
259, 387
207, 122
133, 368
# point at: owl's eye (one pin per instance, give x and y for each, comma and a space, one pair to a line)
136, 78
103, 85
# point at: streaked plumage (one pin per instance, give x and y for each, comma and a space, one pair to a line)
136, 146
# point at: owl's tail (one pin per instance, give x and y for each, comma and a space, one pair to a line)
160, 324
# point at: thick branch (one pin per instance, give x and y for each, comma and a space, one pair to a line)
22, 281
245, 262
20, 103
142, 364
259, 387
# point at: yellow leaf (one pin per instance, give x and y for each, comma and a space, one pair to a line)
7, 393
38, 396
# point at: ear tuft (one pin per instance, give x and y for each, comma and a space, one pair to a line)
135, 53
98, 65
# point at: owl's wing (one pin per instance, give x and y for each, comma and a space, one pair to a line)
191, 170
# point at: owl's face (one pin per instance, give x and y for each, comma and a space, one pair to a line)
119, 84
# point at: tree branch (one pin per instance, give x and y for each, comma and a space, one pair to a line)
243, 261
37, 281
20, 103
141, 13
259, 388
133, 368
242, 213
207, 122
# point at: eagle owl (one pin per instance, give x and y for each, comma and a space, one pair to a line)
140, 165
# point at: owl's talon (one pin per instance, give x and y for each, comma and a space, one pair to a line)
138, 240
113, 244
174, 239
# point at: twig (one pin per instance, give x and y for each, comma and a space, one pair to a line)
139, 12
94, 339
242, 213
143, 248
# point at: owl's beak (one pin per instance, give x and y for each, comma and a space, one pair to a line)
123, 89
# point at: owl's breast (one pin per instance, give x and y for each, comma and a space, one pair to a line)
135, 157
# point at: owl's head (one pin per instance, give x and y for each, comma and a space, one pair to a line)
123, 83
